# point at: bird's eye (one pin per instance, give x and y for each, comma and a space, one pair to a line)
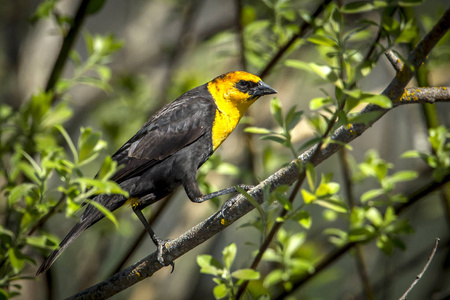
245, 86
243, 83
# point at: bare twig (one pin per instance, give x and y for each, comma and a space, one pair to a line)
419, 276
394, 60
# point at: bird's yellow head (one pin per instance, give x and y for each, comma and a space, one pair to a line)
233, 93
237, 90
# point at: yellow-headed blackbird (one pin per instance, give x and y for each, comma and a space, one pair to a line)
167, 151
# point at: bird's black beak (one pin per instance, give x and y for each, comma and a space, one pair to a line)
263, 89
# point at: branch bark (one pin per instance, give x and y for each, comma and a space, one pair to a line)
287, 175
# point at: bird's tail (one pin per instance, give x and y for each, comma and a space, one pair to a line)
70, 237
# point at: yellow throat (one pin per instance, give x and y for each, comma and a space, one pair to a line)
231, 102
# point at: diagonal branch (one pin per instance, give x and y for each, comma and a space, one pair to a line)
287, 175
419, 276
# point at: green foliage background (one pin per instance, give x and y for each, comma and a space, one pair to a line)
132, 57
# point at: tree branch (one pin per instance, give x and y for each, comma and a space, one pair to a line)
394, 60
287, 175
419, 276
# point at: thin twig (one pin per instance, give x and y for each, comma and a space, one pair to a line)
419, 276
68, 42
394, 60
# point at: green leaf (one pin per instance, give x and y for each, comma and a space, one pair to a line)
257, 130
322, 40
44, 10
327, 189
17, 259
380, 100
311, 176
209, 265
371, 194
295, 241
229, 254
364, 118
100, 186
246, 274
318, 103
68, 141
332, 204
411, 154
95, 82
357, 7
220, 291
89, 145
42, 242
273, 278
275, 109
307, 196
104, 72
278, 138
362, 234
385, 244
409, 3
304, 219
404, 176
108, 168
409, 33
374, 216
18, 192
108, 214
292, 118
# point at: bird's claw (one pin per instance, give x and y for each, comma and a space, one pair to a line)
161, 244
229, 203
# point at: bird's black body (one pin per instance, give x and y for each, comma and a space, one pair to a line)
182, 137
166, 153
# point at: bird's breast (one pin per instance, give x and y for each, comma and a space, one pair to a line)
223, 125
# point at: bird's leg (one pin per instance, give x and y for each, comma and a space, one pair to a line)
222, 192
226, 204
160, 244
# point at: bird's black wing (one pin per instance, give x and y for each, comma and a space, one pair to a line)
175, 126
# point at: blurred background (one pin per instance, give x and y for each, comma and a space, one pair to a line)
170, 47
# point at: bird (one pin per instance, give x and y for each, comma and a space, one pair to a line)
168, 150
